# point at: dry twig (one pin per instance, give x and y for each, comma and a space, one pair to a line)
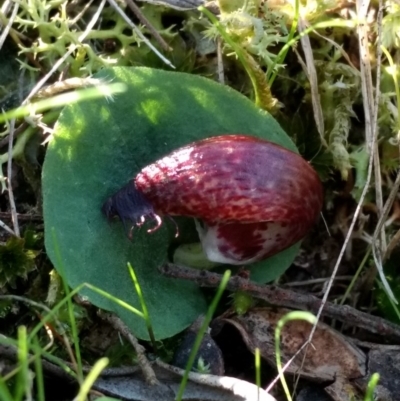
221, 75
290, 299
5, 227
7, 28
144, 364
131, 4
312, 77
139, 33
22, 217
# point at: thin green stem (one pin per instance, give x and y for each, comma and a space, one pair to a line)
355, 277
105, 90
200, 334
146, 315
70, 308
5, 394
257, 363
394, 74
307, 316
237, 49
373, 382
282, 54
22, 379
39, 372
98, 367
320, 25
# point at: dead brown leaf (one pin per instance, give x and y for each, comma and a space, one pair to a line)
330, 358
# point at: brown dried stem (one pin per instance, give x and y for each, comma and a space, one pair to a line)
144, 364
146, 23
290, 299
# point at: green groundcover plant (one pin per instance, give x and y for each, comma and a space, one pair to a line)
98, 146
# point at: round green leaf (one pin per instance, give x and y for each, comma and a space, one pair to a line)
269, 269
97, 148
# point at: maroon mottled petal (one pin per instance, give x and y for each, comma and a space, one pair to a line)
234, 178
255, 198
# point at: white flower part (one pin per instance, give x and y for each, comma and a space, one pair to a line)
225, 250
209, 242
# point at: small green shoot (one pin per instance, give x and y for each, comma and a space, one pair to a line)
272, 72
70, 310
373, 382
38, 371
146, 315
5, 394
98, 367
200, 334
26, 342
355, 277
296, 315
202, 366
257, 365
393, 71
394, 306
23, 380
242, 302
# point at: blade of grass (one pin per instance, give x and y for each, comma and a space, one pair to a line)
200, 334
373, 382
51, 315
106, 90
5, 394
15, 344
70, 309
297, 315
271, 72
22, 378
114, 299
91, 378
393, 72
257, 364
39, 372
146, 315
394, 306
355, 277
59, 362
38, 351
